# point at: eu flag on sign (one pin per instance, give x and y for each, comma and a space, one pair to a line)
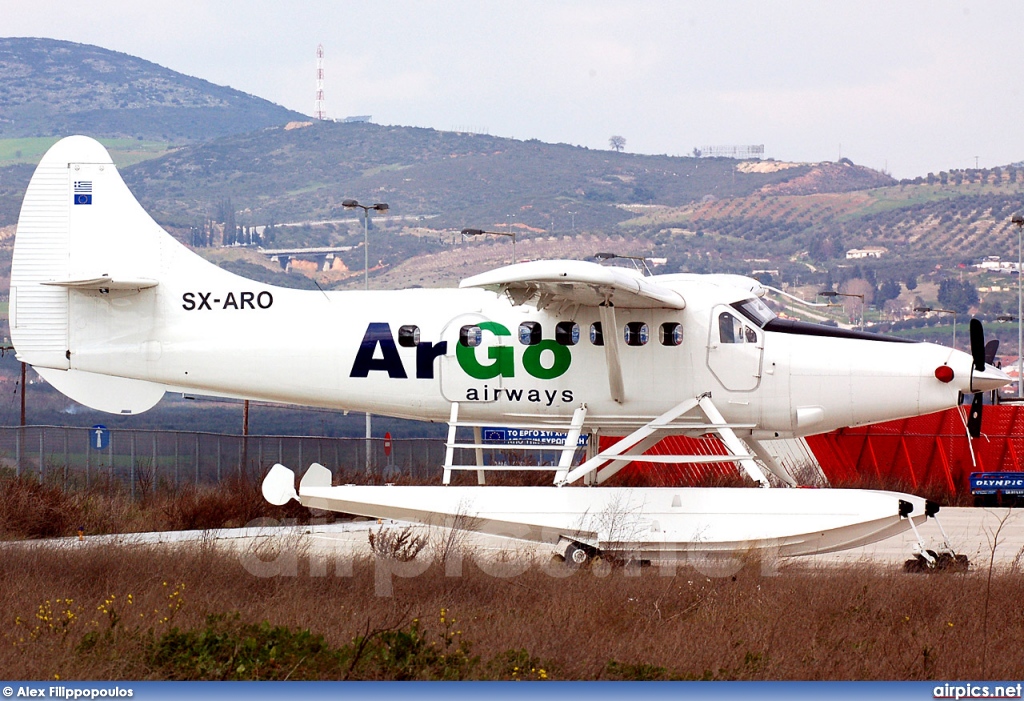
83, 192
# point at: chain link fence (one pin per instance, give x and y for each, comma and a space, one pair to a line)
84, 456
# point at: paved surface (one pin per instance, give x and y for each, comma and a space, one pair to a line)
972, 531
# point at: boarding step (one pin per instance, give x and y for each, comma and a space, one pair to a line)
566, 442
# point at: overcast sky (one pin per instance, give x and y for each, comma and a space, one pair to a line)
911, 86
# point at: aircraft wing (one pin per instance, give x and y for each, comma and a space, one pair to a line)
576, 282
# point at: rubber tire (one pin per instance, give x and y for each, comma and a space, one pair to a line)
576, 556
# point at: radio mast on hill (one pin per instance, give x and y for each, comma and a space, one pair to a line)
318, 106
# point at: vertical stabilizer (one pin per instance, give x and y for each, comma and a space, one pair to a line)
82, 238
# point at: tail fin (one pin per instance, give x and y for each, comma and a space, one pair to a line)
80, 228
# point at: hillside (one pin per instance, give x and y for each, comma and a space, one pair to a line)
50, 87
300, 174
954, 220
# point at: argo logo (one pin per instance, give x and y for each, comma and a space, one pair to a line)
544, 360
502, 358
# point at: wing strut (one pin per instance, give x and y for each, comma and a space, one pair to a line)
610, 334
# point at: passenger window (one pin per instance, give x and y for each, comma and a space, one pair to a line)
636, 333
567, 333
529, 333
408, 336
671, 334
596, 334
750, 334
471, 336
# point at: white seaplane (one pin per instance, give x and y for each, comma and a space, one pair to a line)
113, 312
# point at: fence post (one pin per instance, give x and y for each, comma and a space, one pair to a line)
17, 451
110, 467
299, 466
197, 460
218, 459
88, 458
65, 432
153, 471
176, 461
42, 458
131, 464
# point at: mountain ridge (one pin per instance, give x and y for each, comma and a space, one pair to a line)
53, 87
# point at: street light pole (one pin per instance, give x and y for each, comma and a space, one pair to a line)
832, 294
1019, 221
380, 207
481, 232
925, 310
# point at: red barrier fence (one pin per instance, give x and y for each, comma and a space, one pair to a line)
923, 454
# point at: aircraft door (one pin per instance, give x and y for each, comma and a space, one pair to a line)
479, 355
735, 349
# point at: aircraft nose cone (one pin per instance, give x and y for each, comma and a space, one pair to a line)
988, 379
969, 380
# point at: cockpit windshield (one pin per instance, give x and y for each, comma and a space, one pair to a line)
755, 310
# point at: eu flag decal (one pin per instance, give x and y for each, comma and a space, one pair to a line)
83, 192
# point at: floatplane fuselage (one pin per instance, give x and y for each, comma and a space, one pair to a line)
114, 312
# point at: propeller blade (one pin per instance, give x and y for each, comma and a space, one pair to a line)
974, 418
991, 348
978, 345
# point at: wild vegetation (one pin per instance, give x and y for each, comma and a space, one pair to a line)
286, 612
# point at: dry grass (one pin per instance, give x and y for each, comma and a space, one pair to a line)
30, 509
66, 612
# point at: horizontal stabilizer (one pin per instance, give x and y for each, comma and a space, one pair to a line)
104, 282
115, 395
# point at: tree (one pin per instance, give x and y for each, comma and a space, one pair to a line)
911, 282
889, 289
958, 296
617, 142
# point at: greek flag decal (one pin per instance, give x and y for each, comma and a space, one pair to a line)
83, 192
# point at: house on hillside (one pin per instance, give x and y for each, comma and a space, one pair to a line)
866, 252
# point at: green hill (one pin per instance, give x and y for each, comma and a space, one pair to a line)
281, 175
55, 88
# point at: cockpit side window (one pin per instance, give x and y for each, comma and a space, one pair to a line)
733, 330
755, 310
730, 329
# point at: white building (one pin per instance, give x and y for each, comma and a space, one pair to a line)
866, 252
